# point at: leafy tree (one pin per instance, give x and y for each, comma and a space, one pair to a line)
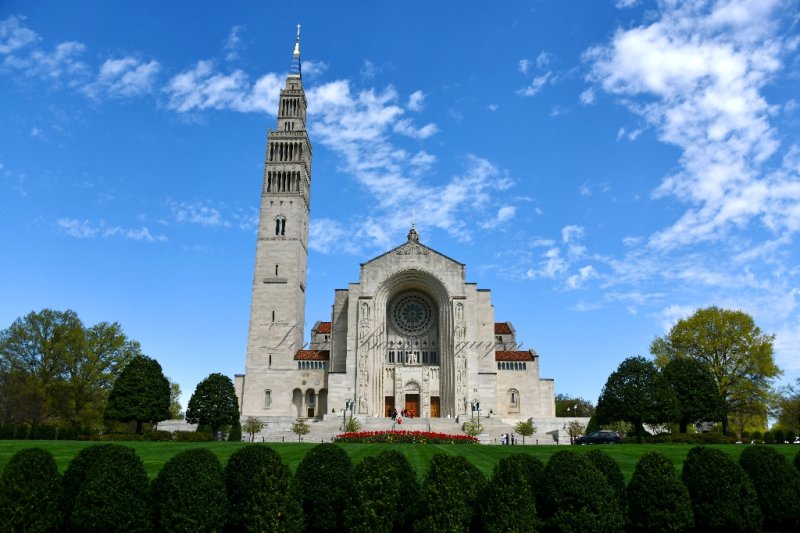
788, 412
449, 495
695, 391
567, 405
57, 370
575, 429
140, 394
723, 497
739, 354
324, 484
300, 427
352, 425
777, 485
30, 492
213, 403
576, 496
386, 488
657, 499
473, 428
635, 393
525, 428
260, 492
175, 407
252, 426
189, 493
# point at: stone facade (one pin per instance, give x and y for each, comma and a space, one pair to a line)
411, 334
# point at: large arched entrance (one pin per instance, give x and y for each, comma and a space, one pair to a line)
403, 332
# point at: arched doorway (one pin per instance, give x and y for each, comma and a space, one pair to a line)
411, 393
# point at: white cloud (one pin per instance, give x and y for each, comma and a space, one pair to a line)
506, 213
13, 35
536, 85
543, 59
416, 101
621, 4
369, 70
584, 274
202, 87
493, 107
587, 96
36, 133
83, 229
233, 43
124, 77
670, 315
571, 233
524, 65
701, 69
198, 213
404, 127
312, 69
62, 63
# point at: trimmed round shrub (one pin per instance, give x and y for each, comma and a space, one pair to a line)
769, 437
114, 495
448, 495
790, 436
235, 432
386, 489
723, 497
324, 484
612, 472
75, 475
189, 493
657, 498
777, 485
577, 497
778, 436
30, 492
757, 435
260, 492
509, 502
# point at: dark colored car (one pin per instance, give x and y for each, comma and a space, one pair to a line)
604, 436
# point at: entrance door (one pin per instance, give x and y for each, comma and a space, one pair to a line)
310, 412
388, 405
412, 403
435, 407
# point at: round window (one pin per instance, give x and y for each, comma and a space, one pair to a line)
412, 314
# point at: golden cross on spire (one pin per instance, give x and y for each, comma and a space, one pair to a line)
297, 42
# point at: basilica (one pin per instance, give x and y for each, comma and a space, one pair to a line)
410, 335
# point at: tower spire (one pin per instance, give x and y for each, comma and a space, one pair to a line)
294, 71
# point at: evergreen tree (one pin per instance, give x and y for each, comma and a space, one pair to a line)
140, 394
213, 403
695, 391
636, 393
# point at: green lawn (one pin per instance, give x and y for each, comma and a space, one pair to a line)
155, 454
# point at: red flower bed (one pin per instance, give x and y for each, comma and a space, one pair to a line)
405, 437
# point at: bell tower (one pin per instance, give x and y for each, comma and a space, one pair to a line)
277, 312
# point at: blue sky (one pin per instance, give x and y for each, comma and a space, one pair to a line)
605, 167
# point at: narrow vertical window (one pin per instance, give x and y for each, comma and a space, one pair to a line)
276, 270
283, 226
273, 315
277, 226
267, 398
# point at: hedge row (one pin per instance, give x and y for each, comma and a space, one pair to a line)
105, 488
25, 432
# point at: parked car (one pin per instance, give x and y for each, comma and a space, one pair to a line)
604, 436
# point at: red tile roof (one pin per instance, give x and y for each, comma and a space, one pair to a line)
501, 328
513, 356
312, 355
324, 327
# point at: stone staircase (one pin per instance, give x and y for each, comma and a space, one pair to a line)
279, 428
